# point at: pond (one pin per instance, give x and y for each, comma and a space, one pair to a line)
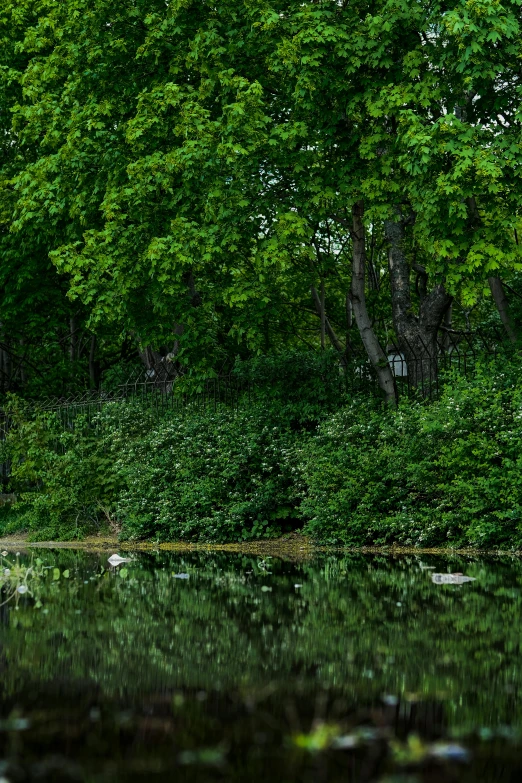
206, 666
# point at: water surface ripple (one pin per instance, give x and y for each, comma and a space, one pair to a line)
218, 666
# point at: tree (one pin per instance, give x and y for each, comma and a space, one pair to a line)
202, 199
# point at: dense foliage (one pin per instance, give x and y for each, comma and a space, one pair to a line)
216, 477
443, 473
181, 178
219, 475
438, 474
189, 190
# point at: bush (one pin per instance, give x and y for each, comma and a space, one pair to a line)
194, 475
65, 479
220, 476
448, 472
299, 387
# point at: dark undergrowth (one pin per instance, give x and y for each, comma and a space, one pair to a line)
345, 471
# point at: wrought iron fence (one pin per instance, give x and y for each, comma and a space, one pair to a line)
161, 392
427, 367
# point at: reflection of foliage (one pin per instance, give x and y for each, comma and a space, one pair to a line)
364, 627
18, 578
363, 656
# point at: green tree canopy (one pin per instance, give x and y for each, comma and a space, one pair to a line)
192, 169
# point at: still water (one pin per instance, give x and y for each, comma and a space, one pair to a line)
225, 667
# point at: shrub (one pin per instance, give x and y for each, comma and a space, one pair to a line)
299, 387
65, 478
193, 475
448, 472
214, 476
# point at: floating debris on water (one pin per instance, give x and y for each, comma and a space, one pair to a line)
346, 742
450, 752
116, 560
180, 576
451, 579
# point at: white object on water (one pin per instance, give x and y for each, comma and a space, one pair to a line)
180, 576
4, 553
450, 752
346, 742
116, 560
22, 589
451, 579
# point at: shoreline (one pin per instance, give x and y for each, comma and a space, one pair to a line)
292, 545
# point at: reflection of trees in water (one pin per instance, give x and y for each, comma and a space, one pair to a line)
224, 736
356, 630
365, 626
4, 609
4, 623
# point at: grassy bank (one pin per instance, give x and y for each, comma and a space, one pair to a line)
342, 472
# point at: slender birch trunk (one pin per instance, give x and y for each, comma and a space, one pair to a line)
375, 353
329, 330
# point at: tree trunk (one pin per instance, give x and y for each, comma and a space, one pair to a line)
501, 301
93, 374
495, 283
163, 369
72, 338
417, 335
375, 353
447, 324
321, 312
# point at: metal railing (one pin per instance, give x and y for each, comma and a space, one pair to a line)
159, 394
425, 367
160, 391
